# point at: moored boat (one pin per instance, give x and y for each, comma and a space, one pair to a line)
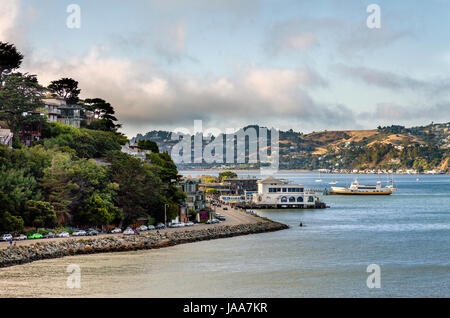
359, 189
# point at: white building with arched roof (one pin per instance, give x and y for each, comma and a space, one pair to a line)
280, 193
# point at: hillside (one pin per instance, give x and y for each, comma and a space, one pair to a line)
392, 148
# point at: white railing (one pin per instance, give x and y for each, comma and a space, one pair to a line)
7, 140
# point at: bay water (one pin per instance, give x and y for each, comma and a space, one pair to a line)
406, 234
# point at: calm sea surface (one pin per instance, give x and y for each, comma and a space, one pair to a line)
407, 234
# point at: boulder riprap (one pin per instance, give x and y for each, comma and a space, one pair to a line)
53, 249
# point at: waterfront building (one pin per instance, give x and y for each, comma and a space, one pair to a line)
182, 216
222, 188
279, 193
232, 186
232, 199
239, 185
249, 195
195, 199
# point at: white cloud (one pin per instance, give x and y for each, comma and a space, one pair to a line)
8, 13
394, 112
348, 38
393, 81
145, 95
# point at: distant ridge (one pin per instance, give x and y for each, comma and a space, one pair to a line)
393, 147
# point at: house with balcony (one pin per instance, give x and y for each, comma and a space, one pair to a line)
196, 197
57, 110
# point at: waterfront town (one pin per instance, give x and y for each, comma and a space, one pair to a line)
190, 201
68, 172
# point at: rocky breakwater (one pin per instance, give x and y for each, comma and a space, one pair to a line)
155, 239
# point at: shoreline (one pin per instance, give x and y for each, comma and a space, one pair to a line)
23, 254
316, 171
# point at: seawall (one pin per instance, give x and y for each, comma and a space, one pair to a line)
118, 243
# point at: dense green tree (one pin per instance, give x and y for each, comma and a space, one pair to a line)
39, 214
103, 114
66, 88
97, 211
140, 187
57, 187
10, 223
92, 180
33, 159
167, 171
20, 93
148, 145
85, 142
10, 59
226, 175
17, 186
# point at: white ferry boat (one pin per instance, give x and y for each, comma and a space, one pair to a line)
360, 189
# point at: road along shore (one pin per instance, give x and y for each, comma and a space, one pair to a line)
238, 223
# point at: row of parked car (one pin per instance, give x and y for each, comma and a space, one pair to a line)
22, 237
93, 232
142, 228
88, 232
182, 224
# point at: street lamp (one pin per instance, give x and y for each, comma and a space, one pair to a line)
165, 214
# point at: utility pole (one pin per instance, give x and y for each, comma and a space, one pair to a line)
165, 214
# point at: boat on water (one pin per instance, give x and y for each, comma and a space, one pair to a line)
332, 182
359, 189
320, 179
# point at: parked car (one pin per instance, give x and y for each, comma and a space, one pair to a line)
189, 224
129, 231
151, 227
160, 226
79, 233
91, 232
225, 208
143, 228
116, 230
21, 237
35, 236
49, 235
63, 234
6, 237
221, 217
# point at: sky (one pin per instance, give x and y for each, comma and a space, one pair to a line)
301, 65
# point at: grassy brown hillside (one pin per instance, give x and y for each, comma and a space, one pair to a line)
392, 147
324, 140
